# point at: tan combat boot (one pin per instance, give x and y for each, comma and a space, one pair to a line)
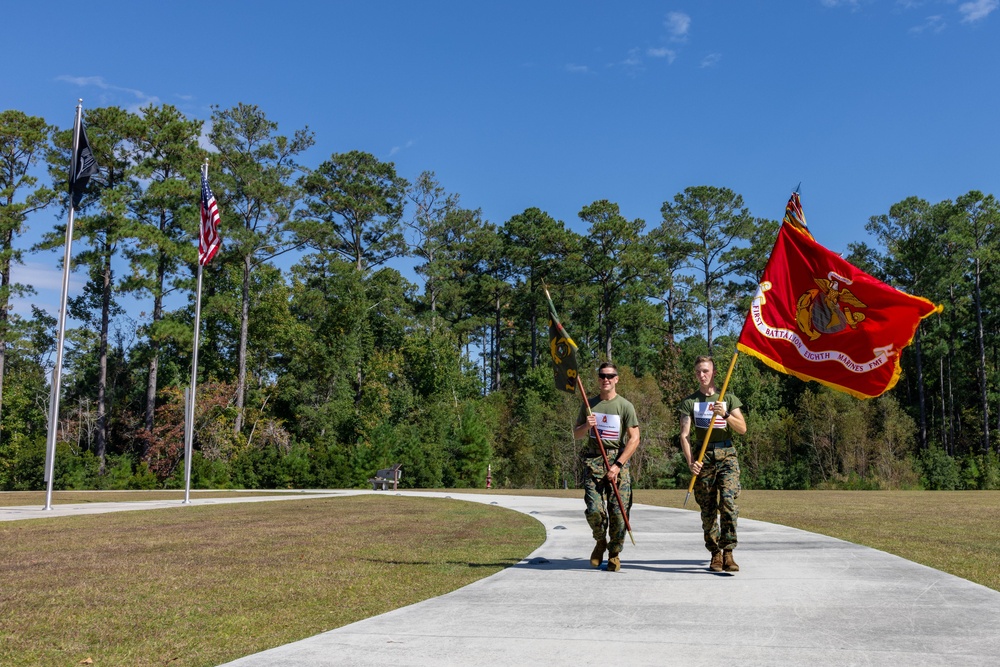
614, 562
716, 564
597, 555
728, 563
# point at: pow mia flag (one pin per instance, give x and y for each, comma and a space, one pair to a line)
81, 168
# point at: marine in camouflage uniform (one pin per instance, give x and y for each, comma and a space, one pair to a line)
717, 485
618, 424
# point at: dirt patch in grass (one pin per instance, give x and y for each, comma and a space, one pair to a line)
207, 584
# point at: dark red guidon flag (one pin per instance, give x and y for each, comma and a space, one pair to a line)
818, 317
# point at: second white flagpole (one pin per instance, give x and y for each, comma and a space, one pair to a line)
189, 434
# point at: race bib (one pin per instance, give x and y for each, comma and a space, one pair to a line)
609, 426
703, 415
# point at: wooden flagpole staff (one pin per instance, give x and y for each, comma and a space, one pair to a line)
607, 465
708, 432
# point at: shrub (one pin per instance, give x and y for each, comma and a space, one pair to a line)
24, 470
938, 471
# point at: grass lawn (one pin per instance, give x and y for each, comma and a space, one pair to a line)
204, 585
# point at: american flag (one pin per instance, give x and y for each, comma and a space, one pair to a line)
209, 239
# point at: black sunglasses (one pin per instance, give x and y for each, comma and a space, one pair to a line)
607, 376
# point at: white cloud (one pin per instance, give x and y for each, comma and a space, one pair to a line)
142, 99
38, 275
977, 10
577, 69
839, 3
678, 24
711, 60
669, 54
396, 149
83, 80
934, 23
203, 139
46, 280
634, 62
633, 59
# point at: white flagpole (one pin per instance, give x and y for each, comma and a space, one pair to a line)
188, 439
50, 448
189, 434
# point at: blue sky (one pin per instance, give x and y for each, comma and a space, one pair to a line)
559, 104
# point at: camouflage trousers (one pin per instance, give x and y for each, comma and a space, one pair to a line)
602, 512
716, 491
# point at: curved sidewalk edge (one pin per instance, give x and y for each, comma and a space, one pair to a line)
801, 598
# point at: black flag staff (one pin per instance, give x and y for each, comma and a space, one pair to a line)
567, 378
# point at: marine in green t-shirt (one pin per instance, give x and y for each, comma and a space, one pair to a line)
615, 419
717, 485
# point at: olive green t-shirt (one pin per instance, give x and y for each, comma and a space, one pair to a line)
698, 406
614, 418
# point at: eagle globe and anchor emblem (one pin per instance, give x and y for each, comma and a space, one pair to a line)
563, 350
560, 350
828, 308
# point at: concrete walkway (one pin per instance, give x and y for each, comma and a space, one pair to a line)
800, 599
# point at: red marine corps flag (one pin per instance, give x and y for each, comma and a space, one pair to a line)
818, 317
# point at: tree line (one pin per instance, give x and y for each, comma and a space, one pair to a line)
320, 361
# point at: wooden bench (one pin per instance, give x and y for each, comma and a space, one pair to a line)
386, 477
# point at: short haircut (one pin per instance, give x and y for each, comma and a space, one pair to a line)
704, 358
607, 364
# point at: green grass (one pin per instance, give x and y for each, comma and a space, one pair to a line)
204, 585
